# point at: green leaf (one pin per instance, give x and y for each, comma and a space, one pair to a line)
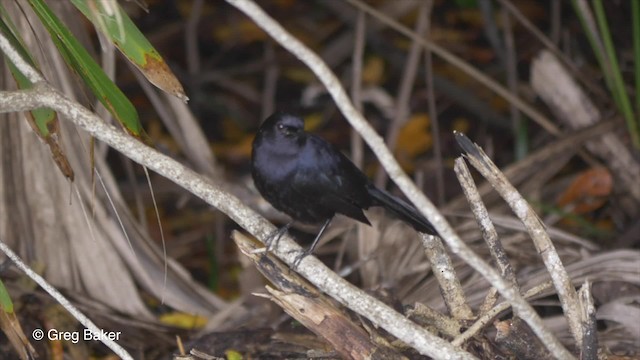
44, 122
5, 299
79, 59
109, 18
44, 119
467, 4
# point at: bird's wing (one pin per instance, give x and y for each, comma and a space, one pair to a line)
329, 176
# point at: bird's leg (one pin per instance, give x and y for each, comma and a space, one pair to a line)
272, 240
311, 248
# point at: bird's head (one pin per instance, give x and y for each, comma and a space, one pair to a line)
282, 126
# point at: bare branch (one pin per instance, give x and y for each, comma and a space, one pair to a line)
32, 74
557, 272
83, 319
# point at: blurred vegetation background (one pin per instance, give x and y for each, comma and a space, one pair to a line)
572, 153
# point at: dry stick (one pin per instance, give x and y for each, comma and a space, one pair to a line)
357, 150
556, 21
440, 261
516, 339
490, 29
357, 145
330, 81
311, 308
43, 95
270, 80
589, 350
445, 274
521, 170
83, 319
486, 318
191, 38
433, 116
489, 233
512, 83
562, 282
428, 317
532, 113
404, 91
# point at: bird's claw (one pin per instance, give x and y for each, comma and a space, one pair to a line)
272, 239
298, 259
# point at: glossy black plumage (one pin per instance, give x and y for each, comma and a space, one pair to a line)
310, 180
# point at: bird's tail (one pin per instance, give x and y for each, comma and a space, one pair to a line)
401, 209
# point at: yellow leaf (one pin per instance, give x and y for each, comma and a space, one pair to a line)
461, 124
183, 320
414, 137
312, 121
233, 355
373, 71
234, 150
298, 74
241, 32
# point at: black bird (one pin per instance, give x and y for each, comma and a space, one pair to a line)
310, 180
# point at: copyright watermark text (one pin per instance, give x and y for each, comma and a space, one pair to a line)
74, 336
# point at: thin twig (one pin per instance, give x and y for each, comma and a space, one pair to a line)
357, 151
357, 145
433, 116
442, 268
191, 38
486, 318
405, 89
510, 62
566, 292
589, 350
77, 314
491, 29
270, 80
489, 233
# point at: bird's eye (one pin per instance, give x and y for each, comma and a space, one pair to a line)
286, 130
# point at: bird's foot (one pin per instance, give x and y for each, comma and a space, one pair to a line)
299, 259
272, 239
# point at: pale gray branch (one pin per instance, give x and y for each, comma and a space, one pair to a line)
83, 319
31, 73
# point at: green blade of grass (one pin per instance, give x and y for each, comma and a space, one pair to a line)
597, 32
109, 18
582, 9
635, 18
44, 122
91, 73
618, 89
44, 118
6, 304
